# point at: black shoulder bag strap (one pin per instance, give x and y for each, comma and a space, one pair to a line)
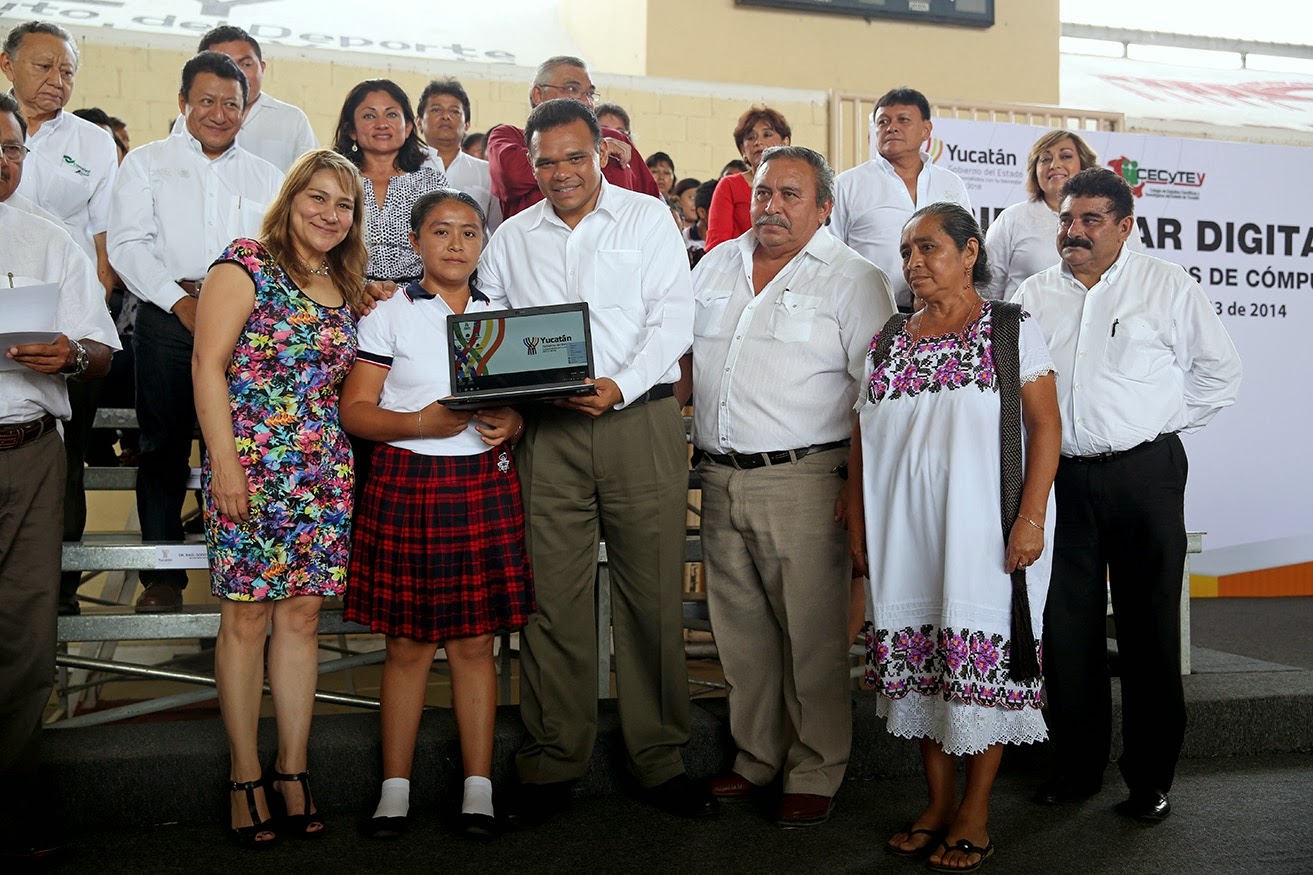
887, 335
1023, 665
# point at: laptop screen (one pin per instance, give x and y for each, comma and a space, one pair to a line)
510, 349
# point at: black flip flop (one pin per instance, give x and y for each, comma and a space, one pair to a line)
965, 847
936, 836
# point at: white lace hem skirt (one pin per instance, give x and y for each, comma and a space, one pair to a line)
958, 727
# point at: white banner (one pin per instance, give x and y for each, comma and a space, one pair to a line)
1238, 217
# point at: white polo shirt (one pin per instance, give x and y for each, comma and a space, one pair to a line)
70, 172
273, 130
407, 335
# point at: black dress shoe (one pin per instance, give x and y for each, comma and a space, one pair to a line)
386, 827
532, 805
1146, 806
1059, 791
478, 826
681, 797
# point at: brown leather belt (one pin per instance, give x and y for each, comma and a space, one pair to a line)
14, 436
191, 287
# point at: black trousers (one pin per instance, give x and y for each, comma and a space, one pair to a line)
166, 413
1121, 521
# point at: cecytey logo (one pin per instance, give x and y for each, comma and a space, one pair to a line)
1138, 177
1128, 170
531, 344
935, 147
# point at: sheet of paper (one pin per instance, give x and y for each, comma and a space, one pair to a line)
27, 307
27, 315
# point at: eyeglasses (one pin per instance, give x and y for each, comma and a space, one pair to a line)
14, 152
575, 91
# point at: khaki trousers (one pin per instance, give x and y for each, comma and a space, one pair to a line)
623, 476
777, 572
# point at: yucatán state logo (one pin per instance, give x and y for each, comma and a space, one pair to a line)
531, 344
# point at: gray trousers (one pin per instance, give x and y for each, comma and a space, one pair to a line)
778, 572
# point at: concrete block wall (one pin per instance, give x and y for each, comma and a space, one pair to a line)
693, 122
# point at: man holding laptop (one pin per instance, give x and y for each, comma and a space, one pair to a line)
612, 463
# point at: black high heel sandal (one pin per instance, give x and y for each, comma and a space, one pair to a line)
248, 836
298, 825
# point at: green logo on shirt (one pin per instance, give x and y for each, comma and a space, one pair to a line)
77, 168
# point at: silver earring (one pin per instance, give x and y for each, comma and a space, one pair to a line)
355, 147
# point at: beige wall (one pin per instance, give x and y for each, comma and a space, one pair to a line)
694, 87
140, 84
1015, 61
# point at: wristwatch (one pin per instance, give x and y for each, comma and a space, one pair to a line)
81, 360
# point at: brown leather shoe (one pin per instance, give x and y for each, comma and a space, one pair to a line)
803, 809
731, 785
159, 598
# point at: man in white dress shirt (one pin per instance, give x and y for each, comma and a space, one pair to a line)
874, 200
72, 164
1141, 356
177, 203
613, 462
273, 129
69, 171
444, 116
784, 317
33, 399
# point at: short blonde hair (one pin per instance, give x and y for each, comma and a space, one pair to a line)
346, 260
1087, 158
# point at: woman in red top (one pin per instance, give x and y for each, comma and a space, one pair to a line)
758, 129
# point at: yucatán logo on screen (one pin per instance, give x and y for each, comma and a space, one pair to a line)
532, 343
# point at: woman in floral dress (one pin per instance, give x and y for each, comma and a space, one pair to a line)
926, 460
274, 340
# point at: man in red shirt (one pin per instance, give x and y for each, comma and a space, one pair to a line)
513, 180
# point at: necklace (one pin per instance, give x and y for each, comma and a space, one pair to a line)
917, 335
322, 270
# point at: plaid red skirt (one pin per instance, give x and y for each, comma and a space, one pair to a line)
437, 548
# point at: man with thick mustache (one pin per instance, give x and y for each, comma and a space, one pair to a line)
873, 201
1141, 356
784, 317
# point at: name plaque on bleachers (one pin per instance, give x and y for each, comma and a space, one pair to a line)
181, 556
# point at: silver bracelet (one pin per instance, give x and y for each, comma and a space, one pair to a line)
420, 414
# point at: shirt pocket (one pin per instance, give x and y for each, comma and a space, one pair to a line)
709, 311
61, 192
791, 320
1133, 348
618, 281
247, 215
